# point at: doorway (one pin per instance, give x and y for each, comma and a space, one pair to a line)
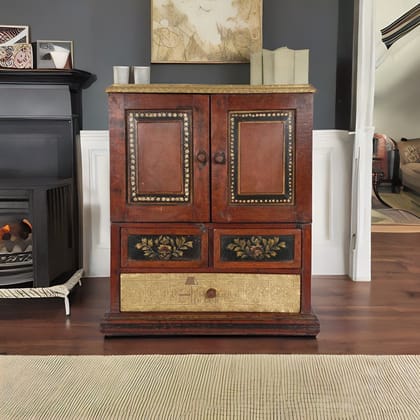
396, 181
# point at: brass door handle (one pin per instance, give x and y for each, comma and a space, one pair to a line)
202, 156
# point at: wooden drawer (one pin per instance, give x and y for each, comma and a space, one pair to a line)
157, 246
257, 248
216, 292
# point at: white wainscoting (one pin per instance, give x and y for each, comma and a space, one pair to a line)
94, 151
331, 202
331, 197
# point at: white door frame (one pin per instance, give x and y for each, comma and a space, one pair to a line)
361, 202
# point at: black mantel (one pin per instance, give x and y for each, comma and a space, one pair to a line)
75, 79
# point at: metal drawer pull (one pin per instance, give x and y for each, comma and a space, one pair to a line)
211, 293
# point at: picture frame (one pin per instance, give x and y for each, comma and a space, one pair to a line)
16, 56
13, 34
52, 54
205, 31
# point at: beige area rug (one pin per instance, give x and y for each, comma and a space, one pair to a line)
402, 217
394, 221
210, 387
406, 200
388, 215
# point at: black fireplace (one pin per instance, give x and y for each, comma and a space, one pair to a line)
40, 117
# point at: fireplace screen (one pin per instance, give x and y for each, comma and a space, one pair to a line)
15, 250
37, 232
15, 237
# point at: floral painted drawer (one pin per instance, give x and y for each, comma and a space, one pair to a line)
164, 247
257, 248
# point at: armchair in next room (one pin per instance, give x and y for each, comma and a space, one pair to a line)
409, 168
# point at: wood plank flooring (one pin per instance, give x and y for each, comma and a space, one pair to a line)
380, 317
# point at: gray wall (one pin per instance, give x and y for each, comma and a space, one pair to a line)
109, 32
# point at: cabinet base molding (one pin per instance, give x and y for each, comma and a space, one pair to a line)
222, 323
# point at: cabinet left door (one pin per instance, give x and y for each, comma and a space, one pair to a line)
159, 157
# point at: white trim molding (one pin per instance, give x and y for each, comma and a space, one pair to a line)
361, 195
94, 151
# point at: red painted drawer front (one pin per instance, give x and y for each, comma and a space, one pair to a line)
257, 248
164, 247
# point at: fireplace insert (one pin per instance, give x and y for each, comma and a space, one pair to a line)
40, 117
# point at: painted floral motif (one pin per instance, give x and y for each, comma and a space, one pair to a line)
164, 247
256, 247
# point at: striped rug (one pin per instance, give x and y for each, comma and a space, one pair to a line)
210, 387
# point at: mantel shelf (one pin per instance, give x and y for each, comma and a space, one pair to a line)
75, 79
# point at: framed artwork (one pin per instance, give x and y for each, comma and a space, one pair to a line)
54, 54
16, 56
205, 31
10, 35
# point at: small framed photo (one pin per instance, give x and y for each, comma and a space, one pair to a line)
53, 54
12, 34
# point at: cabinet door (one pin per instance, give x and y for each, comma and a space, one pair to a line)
159, 157
261, 157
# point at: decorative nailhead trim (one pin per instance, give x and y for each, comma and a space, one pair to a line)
287, 117
133, 117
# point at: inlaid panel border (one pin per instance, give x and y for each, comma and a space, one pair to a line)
133, 119
235, 119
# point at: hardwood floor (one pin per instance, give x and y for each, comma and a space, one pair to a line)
380, 317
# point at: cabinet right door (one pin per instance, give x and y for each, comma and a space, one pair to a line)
261, 148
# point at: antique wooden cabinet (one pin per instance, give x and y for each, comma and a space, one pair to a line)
210, 210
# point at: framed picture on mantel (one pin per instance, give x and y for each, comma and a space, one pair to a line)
205, 31
10, 35
53, 54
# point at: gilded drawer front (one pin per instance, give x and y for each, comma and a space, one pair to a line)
257, 248
164, 247
217, 292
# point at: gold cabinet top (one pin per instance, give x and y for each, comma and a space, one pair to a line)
209, 89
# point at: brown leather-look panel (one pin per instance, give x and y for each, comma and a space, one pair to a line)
261, 158
159, 157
